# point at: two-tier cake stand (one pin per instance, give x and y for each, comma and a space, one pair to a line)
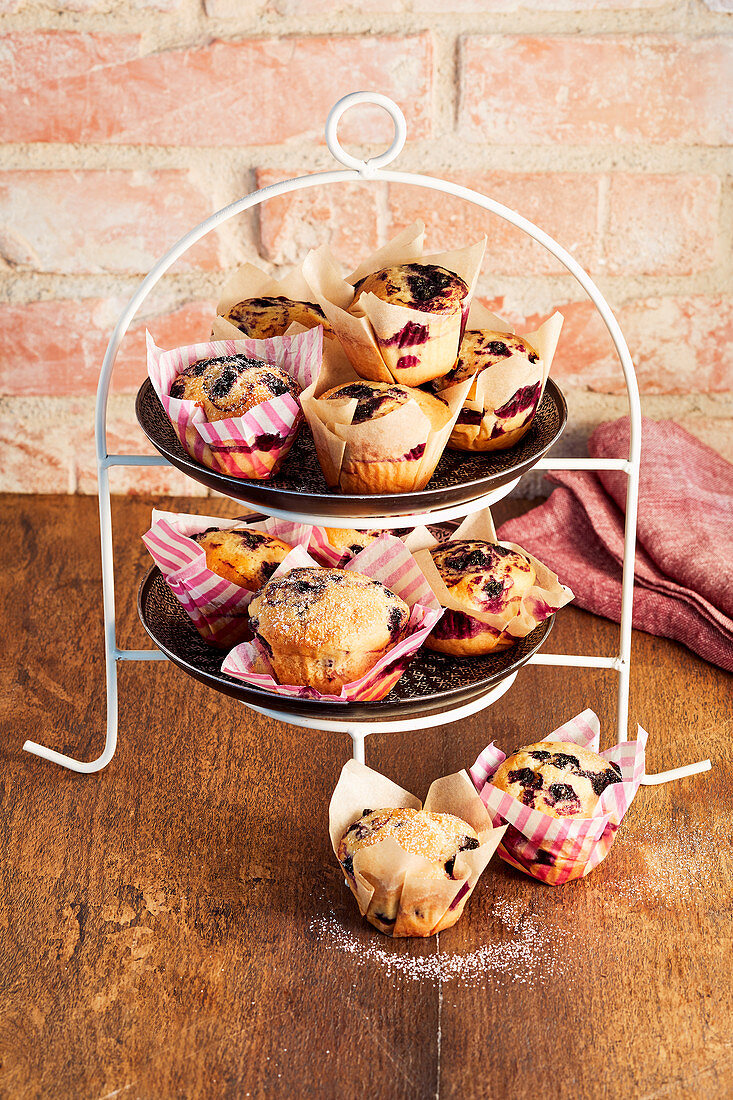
426, 696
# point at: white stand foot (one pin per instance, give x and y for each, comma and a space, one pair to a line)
676, 773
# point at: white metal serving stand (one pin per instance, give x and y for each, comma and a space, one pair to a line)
373, 169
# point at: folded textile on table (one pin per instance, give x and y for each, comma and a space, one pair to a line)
684, 558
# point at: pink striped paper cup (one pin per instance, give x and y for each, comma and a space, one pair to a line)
386, 560
215, 606
556, 850
250, 446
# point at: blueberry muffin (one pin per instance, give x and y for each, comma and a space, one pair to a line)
438, 838
491, 429
231, 385
346, 540
241, 555
424, 287
487, 578
379, 465
262, 318
323, 628
558, 778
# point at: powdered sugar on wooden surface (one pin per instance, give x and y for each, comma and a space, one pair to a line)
520, 950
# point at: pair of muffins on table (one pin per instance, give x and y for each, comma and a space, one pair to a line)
558, 779
326, 627
231, 386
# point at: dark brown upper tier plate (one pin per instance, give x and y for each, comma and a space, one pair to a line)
301, 487
431, 682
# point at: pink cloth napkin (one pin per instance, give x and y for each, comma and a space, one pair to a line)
684, 559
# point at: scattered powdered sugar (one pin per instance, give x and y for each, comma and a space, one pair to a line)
522, 951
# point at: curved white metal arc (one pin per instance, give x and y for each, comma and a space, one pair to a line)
365, 168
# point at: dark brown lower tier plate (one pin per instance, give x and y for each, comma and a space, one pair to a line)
431, 682
300, 486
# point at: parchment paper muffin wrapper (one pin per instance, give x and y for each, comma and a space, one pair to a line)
388, 342
385, 874
216, 607
324, 552
249, 281
386, 560
552, 849
401, 447
253, 445
519, 619
508, 393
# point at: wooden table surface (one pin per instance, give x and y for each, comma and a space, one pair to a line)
176, 925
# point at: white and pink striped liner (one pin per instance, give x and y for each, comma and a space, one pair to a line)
386, 560
235, 446
577, 844
217, 608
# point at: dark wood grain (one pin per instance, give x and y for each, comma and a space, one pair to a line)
168, 924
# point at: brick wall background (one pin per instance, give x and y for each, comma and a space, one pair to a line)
124, 124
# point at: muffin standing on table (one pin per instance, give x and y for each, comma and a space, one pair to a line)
323, 628
560, 779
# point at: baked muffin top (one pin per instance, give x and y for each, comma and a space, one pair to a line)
314, 610
438, 838
558, 778
262, 318
376, 399
231, 385
243, 556
485, 576
344, 538
482, 348
424, 287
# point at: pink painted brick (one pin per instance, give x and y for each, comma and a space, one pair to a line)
37, 450
343, 215
678, 345
234, 9
68, 86
661, 225
90, 221
563, 204
601, 90
480, 6
55, 348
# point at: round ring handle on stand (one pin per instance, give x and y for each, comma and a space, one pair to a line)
365, 167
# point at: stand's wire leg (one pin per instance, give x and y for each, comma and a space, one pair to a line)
357, 746
676, 773
110, 646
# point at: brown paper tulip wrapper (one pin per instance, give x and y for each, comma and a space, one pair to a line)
387, 342
248, 282
256, 444
504, 398
396, 453
386, 875
508, 624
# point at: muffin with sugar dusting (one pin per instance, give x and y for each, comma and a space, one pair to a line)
242, 555
483, 577
436, 837
323, 628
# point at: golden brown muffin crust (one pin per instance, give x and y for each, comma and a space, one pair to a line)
438, 838
377, 399
232, 385
482, 348
558, 778
263, 318
482, 574
241, 555
424, 287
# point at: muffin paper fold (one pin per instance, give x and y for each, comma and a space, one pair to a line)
507, 394
545, 597
249, 446
216, 607
386, 876
387, 342
386, 560
556, 850
397, 452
